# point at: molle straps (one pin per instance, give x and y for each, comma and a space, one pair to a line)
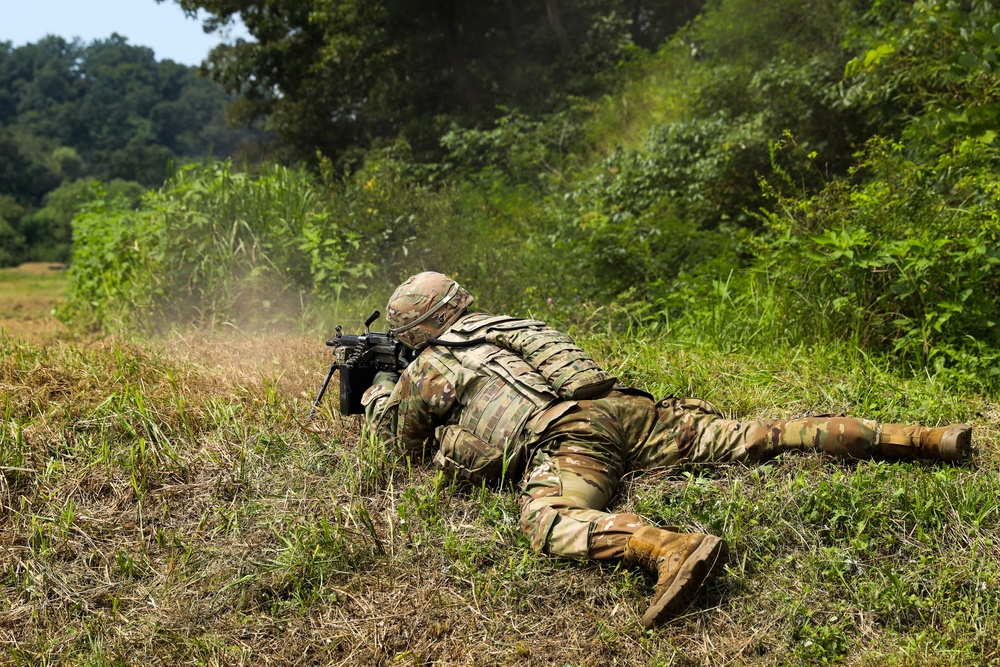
568, 369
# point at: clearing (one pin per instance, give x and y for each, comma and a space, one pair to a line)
28, 295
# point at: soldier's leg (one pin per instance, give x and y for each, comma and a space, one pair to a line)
562, 506
574, 474
573, 477
693, 430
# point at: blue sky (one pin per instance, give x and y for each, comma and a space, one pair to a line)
162, 27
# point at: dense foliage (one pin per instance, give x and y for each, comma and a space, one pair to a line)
915, 275
796, 171
210, 240
71, 113
342, 75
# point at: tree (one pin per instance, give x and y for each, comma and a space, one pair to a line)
330, 75
107, 110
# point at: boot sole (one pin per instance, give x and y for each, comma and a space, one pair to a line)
956, 443
696, 570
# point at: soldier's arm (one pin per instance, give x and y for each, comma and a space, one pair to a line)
381, 403
426, 397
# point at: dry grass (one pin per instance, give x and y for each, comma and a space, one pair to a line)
210, 545
28, 295
162, 504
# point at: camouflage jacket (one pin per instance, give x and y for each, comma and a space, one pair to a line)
480, 405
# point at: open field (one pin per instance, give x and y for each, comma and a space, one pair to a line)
28, 294
163, 504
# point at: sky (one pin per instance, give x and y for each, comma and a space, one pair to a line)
162, 27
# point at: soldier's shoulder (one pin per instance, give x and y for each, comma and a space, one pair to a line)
435, 359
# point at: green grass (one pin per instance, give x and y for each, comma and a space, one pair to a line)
30, 292
164, 505
654, 92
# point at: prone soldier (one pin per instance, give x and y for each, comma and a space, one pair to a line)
494, 397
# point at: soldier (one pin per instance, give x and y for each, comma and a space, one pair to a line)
498, 396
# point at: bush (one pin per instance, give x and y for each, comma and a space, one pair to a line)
904, 261
213, 245
934, 65
210, 246
522, 150
648, 215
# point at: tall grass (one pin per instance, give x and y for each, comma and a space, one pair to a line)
210, 245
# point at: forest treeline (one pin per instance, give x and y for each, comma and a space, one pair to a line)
353, 75
763, 172
74, 114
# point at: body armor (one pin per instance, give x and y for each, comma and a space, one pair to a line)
505, 391
521, 375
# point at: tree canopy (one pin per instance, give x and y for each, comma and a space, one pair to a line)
73, 112
331, 75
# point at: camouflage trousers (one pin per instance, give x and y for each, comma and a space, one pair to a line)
575, 469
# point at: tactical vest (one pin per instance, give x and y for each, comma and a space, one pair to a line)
566, 368
526, 367
505, 392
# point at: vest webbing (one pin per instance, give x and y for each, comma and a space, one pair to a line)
506, 391
552, 354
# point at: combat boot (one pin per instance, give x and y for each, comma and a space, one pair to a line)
948, 443
683, 562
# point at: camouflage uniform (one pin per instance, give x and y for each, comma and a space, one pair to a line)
497, 395
580, 459
493, 396
577, 451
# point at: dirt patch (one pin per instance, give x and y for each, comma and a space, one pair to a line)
36, 268
38, 330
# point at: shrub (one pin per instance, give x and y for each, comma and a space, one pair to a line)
210, 245
904, 261
934, 65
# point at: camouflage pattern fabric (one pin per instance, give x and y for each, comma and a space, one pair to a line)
488, 390
582, 456
381, 405
576, 451
566, 368
694, 430
574, 474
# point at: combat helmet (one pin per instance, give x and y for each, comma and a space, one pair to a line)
424, 307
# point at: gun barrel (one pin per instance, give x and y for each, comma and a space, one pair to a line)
348, 340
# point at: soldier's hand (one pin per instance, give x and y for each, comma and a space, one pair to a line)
386, 377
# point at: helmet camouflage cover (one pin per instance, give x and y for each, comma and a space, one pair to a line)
424, 307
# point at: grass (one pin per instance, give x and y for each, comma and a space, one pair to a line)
652, 94
28, 294
163, 504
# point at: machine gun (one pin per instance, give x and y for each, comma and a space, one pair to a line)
359, 357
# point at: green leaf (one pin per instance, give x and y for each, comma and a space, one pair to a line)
987, 137
968, 60
876, 55
853, 67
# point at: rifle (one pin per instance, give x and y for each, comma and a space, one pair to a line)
359, 357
